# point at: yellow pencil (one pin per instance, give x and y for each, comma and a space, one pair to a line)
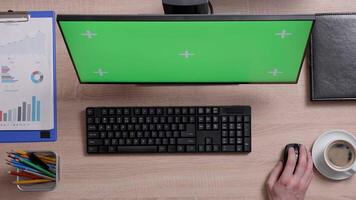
46, 158
21, 152
43, 157
23, 182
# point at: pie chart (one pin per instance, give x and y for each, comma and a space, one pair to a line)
37, 77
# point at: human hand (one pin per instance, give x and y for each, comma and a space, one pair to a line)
283, 184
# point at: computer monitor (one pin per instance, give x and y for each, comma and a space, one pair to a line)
186, 49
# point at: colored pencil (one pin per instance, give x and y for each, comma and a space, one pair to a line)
36, 167
22, 167
24, 153
38, 161
24, 182
24, 174
40, 175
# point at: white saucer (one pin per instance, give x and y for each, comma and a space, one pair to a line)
318, 151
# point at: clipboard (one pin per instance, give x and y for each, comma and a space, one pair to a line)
45, 135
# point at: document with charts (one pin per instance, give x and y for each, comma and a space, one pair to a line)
26, 75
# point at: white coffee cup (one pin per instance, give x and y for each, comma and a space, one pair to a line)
340, 156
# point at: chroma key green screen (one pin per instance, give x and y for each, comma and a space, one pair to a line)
186, 49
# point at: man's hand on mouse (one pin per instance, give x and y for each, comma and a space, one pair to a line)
282, 184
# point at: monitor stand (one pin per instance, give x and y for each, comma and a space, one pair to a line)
187, 7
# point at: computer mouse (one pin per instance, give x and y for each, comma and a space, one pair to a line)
285, 153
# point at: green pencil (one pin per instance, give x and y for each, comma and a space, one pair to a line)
37, 167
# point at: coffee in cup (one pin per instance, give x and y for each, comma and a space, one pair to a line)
340, 155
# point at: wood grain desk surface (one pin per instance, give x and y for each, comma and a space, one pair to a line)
281, 114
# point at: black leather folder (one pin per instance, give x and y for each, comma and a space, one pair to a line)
333, 57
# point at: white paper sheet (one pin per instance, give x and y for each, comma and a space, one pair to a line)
26, 75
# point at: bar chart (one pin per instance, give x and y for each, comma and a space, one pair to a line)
25, 112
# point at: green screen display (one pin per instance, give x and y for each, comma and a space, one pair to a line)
187, 51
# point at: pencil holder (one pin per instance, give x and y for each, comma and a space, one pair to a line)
49, 186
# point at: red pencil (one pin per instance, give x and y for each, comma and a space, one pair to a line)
24, 174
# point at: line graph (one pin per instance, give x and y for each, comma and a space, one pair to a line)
34, 45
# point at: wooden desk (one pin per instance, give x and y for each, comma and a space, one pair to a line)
281, 114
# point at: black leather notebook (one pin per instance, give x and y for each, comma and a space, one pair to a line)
333, 57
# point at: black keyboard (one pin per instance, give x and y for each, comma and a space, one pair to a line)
213, 129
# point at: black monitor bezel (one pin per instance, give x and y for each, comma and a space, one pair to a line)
186, 18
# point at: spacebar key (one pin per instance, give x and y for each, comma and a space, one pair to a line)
137, 149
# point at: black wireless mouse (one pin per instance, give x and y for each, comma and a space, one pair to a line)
296, 148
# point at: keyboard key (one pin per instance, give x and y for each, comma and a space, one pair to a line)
112, 149
90, 120
93, 135
171, 148
232, 133
208, 148
119, 111
143, 141
239, 126
238, 118
247, 118
92, 128
150, 141
247, 144
184, 111
216, 148
200, 111
180, 148
95, 142
137, 111
159, 111
144, 111
177, 111
215, 110
239, 148
93, 149
137, 149
128, 141
201, 148
172, 141
208, 140
90, 112
126, 111
104, 111
231, 118
225, 141
224, 133
158, 141
103, 149
224, 119
112, 111
192, 111
185, 141
247, 129
114, 142
170, 111
232, 141
228, 148
187, 134
190, 148
162, 149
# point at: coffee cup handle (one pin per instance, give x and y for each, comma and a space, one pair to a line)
353, 169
